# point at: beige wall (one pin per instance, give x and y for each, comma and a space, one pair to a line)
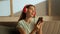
55, 7
41, 9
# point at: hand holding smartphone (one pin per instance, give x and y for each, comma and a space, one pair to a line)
40, 19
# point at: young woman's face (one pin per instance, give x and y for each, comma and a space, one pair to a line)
30, 11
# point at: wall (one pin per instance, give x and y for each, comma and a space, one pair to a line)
55, 7
41, 9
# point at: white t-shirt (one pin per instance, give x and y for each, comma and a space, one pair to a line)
27, 27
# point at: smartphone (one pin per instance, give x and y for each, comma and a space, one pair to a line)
40, 19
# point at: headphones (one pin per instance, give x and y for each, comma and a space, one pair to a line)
25, 10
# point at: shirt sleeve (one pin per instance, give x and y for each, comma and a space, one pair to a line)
20, 24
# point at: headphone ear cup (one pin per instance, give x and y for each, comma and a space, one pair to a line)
24, 9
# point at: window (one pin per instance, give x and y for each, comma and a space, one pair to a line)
14, 7
4, 7
19, 4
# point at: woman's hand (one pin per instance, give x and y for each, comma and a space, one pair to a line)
38, 25
40, 30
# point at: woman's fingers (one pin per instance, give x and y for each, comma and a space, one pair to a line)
39, 25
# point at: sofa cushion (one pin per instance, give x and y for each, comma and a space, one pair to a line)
8, 30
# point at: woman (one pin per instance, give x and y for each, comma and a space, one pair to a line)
27, 23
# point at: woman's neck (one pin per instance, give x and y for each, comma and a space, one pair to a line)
28, 19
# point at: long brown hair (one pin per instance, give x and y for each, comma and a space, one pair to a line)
23, 15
